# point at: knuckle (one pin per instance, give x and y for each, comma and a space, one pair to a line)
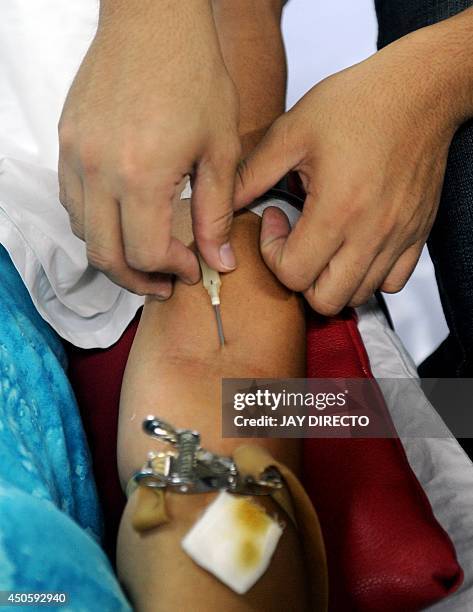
385, 229
394, 285
419, 233
391, 221
101, 259
363, 294
328, 308
287, 268
74, 212
291, 278
134, 167
352, 202
66, 135
350, 208
145, 261
209, 228
360, 298
287, 273
77, 229
129, 174
89, 159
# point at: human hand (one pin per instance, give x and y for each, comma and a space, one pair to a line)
370, 145
151, 103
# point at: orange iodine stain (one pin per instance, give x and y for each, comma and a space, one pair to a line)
251, 517
249, 554
252, 522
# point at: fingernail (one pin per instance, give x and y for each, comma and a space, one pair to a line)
227, 256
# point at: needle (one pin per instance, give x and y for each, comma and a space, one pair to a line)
211, 281
218, 316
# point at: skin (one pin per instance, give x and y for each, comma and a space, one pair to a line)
370, 145
184, 330
249, 30
174, 371
171, 326
151, 103
176, 342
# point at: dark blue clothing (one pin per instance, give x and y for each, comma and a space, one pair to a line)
451, 240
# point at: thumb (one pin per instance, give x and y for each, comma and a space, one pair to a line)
270, 161
275, 230
212, 213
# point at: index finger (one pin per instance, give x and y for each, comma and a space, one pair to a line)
275, 156
146, 223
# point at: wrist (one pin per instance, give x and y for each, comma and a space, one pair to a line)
163, 31
117, 8
445, 58
153, 15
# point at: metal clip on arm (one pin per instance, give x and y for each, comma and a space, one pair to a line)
188, 468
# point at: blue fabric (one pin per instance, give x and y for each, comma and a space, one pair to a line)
50, 524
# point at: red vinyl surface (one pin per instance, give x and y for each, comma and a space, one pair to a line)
386, 551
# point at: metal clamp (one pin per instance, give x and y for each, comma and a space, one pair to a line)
188, 468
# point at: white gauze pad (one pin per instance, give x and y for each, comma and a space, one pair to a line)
234, 540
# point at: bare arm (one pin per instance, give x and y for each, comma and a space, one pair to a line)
175, 370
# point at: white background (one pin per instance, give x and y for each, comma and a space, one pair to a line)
323, 38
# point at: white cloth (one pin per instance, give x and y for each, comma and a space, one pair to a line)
41, 46
80, 303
